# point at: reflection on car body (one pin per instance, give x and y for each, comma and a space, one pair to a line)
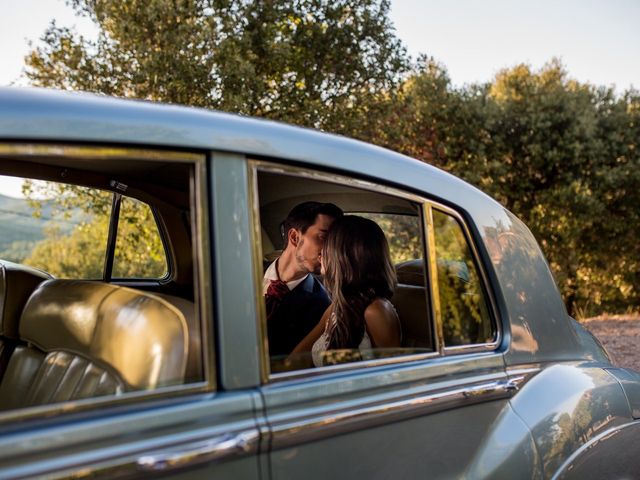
148, 351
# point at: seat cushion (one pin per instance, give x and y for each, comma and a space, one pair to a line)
141, 337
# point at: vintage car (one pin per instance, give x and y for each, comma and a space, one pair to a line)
133, 335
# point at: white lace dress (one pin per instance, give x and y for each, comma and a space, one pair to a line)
322, 345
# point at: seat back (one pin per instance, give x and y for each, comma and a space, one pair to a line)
87, 339
410, 300
17, 283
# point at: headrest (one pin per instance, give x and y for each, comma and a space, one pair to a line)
411, 272
17, 282
140, 336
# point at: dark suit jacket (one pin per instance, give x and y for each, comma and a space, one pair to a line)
300, 311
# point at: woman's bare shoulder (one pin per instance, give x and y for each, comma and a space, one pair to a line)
380, 309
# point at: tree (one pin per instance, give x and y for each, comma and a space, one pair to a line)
561, 155
318, 63
79, 252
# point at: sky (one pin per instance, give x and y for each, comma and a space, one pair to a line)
598, 41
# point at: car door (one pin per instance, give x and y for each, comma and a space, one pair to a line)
206, 427
438, 414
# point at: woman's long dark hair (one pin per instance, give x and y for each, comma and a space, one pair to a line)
358, 269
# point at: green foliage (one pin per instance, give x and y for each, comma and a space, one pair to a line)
310, 62
562, 155
139, 251
80, 252
403, 235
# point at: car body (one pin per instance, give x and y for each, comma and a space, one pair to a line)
535, 397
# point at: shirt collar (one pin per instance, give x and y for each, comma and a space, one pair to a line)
272, 274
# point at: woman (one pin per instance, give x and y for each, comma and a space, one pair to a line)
360, 278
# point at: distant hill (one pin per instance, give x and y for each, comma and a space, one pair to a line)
20, 230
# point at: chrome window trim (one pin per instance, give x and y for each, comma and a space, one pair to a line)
432, 271
345, 367
202, 272
258, 274
484, 279
254, 166
34, 149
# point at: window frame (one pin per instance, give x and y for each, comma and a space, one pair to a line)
433, 317
203, 297
487, 292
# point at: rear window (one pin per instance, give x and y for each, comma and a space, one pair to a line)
63, 229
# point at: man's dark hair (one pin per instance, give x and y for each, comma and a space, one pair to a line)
303, 215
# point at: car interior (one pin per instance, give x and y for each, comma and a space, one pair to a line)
66, 337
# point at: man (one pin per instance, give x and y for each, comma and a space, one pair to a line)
294, 297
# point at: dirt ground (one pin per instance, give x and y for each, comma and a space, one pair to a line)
620, 335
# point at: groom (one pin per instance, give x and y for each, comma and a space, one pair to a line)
295, 299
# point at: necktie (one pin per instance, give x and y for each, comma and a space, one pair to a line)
276, 291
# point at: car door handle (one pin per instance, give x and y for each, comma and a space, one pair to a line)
215, 449
501, 386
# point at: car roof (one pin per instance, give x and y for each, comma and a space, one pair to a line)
82, 117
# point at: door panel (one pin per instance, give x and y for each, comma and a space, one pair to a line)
180, 440
393, 421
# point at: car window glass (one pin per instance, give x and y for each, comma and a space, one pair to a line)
59, 228
465, 317
403, 233
139, 250
289, 323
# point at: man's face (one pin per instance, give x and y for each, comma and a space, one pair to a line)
310, 244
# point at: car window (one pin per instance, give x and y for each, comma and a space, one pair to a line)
139, 251
59, 228
63, 229
300, 327
465, 316
90, 307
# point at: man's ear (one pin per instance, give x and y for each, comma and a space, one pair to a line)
293, 236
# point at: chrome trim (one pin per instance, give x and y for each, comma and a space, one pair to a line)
75, 406
345, 367
258, 274
225, 446
486, 287
290, 433
192, 452
432, 271
202, 269
32, 149
204, 289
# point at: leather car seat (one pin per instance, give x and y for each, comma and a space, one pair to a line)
410, 301
87, 339
17, 282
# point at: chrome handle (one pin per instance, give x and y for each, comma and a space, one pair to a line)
224, 446
502, 386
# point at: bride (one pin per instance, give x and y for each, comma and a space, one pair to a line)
360, 277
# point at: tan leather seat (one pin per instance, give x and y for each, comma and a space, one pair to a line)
17, 282
410, 301
194, 371
87, 339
